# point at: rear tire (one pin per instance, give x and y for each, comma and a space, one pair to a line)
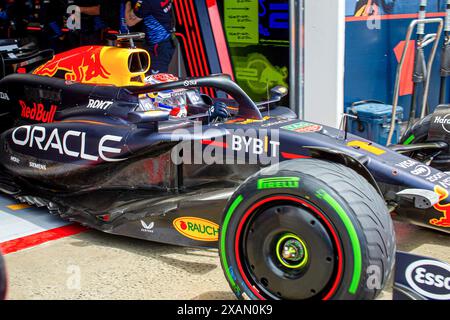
418, 132
3, 280
311, 230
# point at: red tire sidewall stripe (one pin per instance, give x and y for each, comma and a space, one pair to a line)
316, 211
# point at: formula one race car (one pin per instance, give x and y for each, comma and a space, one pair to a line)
298, 210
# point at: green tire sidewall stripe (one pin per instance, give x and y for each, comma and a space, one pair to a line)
357, 257
226, 221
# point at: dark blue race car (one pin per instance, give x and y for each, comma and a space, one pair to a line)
298, 210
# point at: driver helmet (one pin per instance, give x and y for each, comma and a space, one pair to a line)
174, 101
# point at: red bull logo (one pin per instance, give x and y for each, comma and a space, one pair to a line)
444, 208
37, 112
81, 65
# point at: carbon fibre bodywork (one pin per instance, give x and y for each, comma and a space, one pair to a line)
88, 154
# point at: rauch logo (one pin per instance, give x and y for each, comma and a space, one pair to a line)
197, 228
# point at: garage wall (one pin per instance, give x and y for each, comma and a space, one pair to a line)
370, 61
324, 60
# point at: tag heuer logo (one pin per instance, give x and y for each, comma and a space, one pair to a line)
147, 227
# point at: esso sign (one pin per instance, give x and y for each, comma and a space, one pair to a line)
429, 278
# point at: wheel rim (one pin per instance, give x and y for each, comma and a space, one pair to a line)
315, 270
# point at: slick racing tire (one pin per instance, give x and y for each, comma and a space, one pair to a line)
3, 281
418, 133
307, 229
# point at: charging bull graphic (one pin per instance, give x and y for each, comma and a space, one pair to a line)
444, 208
81, 65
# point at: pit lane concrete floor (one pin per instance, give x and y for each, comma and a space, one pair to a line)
93, 265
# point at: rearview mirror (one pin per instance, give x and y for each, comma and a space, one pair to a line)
278, 93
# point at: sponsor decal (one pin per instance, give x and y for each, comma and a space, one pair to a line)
166, 5
37, 137
415, 168
83, 64
147, 227
37, 166
255, 145
190, 83
278, 183
250, 121
37, 112
99, 104
275, 123
429, 278
303, 127
161, 77
4, 96
15, 159
407, 164
444, 121
367, 146
138, 5
441, 178
197, 228
444, 208
421, 170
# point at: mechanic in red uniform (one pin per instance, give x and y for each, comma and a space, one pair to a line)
158, 23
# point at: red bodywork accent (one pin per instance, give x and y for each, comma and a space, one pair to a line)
288, 155
81, 64
215, 143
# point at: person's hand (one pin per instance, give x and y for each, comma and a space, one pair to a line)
218, 111
130, 18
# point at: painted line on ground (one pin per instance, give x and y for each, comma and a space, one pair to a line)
40, 238
22, 223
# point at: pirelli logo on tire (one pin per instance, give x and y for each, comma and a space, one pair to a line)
279, 183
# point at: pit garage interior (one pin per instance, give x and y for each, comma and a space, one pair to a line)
333, 55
